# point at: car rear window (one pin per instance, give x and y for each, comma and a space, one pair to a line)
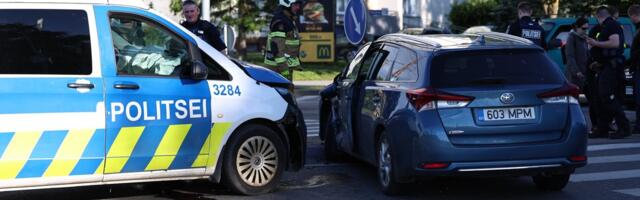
44, 42
485, 67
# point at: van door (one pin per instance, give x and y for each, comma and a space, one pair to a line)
157, 118
52, 107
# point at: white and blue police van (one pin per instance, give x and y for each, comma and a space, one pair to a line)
108, 92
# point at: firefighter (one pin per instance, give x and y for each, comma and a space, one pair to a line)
283, 42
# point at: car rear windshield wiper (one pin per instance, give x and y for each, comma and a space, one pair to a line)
487, 81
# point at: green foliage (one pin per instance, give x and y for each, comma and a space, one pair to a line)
243, 14
472, 13
573, 8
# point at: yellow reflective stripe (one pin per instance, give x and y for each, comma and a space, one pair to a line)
122, 148
219, 129
293, 62
17, 153
69, 153
100, 168
201, 160
276, 61
597, 35
168, 147
277, 34
292, 42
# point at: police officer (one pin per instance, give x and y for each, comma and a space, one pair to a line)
203, 29
609, 49
526, 27
634, 61
283, 41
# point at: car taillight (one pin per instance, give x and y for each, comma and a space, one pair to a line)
434, 165
430, 99
569, 93
578, 158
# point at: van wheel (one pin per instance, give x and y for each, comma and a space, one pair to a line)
331, 151
553, 182
254, 161
388, 182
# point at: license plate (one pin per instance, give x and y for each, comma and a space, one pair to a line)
629, 90
498, 114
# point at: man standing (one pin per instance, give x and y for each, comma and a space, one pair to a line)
203, 29
283, 42
525, 26
634, 62
609, 49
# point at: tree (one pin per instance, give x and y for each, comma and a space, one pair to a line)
244, 15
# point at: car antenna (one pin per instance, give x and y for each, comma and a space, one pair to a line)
480, 40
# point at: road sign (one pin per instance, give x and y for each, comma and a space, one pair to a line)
355, 21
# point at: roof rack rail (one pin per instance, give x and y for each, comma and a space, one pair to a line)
504, 36
426, 40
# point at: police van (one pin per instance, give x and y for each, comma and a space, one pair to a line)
109, 91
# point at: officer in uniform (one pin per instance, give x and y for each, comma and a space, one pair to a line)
526, 27
283, 41
609, 49
634, 61
203, 29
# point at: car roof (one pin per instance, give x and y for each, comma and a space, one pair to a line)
130, 3
459, 41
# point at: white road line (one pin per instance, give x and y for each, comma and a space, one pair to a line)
633, 192
306, 98
602, 176
603, 147
614, 159
313, 134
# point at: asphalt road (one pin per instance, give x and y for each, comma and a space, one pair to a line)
613, 172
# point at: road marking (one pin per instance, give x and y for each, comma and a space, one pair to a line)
633, 192
306, 98
603, 147
603, 176
614, 159
313, 134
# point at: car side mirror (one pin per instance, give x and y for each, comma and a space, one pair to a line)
198, 71
555, 43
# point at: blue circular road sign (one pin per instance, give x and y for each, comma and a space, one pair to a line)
355, 21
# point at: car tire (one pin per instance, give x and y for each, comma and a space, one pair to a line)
551, 182
254, 160
331, 151
386, 178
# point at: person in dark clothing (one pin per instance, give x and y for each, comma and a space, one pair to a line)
203, 29
577, 53
526, 27
634, 62
590, 89
609, 48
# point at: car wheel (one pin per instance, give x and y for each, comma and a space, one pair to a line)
386, 178
254, 161
553, 182
331, 151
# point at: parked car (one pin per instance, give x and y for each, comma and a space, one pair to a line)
108, 92
486, 104
557, 31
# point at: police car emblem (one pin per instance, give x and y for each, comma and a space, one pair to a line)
507, 98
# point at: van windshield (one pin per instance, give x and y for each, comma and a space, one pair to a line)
483, 67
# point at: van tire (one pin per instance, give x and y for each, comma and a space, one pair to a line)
254, 160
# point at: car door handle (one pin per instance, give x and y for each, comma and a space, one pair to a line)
128, 86
80, 85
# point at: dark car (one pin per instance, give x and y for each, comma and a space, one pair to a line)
455, 105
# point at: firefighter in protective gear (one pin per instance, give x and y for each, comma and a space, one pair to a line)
283, 41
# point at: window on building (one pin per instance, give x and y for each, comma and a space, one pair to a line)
411, 8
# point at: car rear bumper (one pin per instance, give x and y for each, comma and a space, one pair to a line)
430, 144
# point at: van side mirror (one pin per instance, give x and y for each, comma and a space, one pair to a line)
198, 71
555, 43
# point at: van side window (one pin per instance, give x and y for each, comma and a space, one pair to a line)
45, 42
215, 71
146, 48
405, 67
